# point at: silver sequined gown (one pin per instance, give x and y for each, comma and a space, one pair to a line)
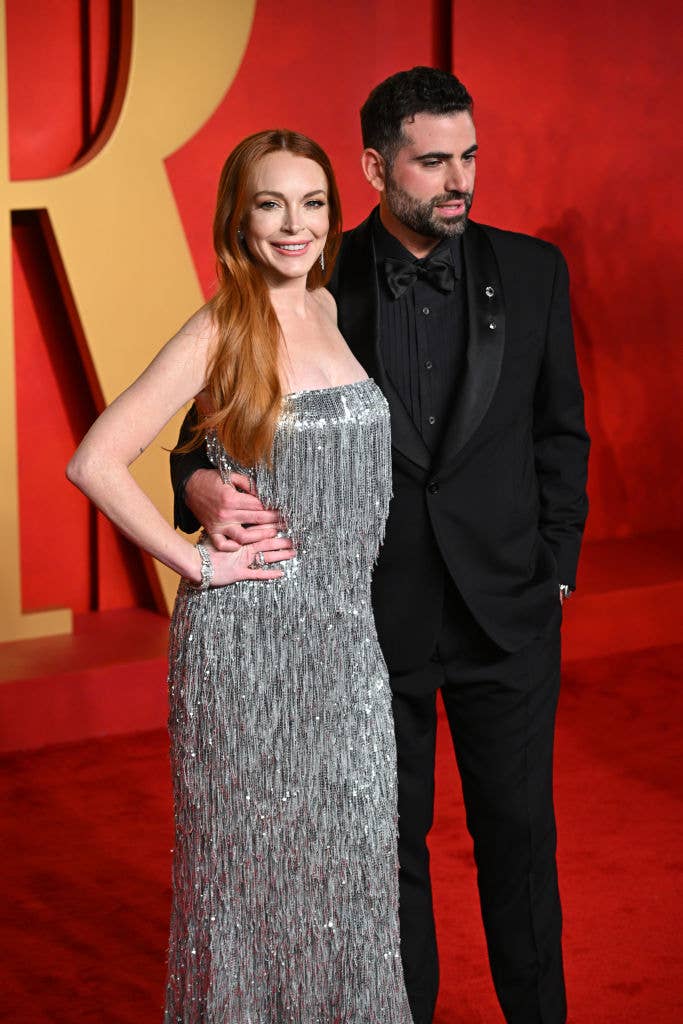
285, 873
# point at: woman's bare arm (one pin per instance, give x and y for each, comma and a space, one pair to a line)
100, 466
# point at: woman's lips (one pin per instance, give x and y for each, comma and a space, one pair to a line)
291, 248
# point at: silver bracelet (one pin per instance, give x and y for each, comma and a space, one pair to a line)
207, 567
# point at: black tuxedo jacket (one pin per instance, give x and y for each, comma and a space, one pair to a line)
502, 505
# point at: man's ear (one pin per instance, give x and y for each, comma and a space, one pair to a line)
374, 168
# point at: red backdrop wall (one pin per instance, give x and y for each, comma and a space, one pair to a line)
574, 118
575, 114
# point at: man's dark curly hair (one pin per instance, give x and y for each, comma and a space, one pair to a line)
418, 91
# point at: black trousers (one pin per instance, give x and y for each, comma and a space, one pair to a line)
501, 713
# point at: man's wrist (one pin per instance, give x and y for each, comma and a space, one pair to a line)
183, 516
182, 486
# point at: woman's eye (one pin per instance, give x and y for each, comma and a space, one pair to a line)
315, 203
267, 204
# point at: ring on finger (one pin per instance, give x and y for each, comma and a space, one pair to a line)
259, 561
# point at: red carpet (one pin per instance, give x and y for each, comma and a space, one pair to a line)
87, 834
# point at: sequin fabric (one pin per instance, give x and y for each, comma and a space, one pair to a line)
285, 872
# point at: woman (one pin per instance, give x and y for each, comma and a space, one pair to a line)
285, 874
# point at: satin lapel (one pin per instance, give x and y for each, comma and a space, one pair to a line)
356, 296
358, 305
485, 344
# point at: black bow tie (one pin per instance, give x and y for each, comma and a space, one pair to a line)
401, 274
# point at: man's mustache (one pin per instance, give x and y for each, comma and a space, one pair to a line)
466, 197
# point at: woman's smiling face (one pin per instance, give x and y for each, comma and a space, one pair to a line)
286, 223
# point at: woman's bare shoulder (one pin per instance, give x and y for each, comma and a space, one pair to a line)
201, 326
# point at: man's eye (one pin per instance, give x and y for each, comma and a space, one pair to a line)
431, 163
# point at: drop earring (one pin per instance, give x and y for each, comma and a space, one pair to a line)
322, 260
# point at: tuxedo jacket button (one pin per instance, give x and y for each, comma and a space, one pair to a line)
433, 487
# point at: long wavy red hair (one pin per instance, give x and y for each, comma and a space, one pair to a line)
243, 382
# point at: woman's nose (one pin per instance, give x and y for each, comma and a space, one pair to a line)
291, 222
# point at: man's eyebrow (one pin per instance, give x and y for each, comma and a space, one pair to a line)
438, 155
435, 155
269, 192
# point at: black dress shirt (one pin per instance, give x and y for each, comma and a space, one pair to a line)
423, 334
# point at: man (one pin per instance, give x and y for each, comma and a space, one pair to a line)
467, 330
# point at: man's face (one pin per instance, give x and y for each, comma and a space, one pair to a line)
430, 185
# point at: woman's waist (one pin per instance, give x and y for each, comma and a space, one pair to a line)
305, 580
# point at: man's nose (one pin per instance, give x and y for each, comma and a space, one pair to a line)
456, 180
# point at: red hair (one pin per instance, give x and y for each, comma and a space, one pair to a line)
243, 381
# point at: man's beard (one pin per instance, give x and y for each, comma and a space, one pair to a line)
420, 217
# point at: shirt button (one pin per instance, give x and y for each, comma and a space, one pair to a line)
426, 310
432, 420
433, 487
429, 364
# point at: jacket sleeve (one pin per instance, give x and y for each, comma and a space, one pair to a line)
183, 465
333, 283
561, 442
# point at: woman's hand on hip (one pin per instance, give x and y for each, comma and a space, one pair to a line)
249, 561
